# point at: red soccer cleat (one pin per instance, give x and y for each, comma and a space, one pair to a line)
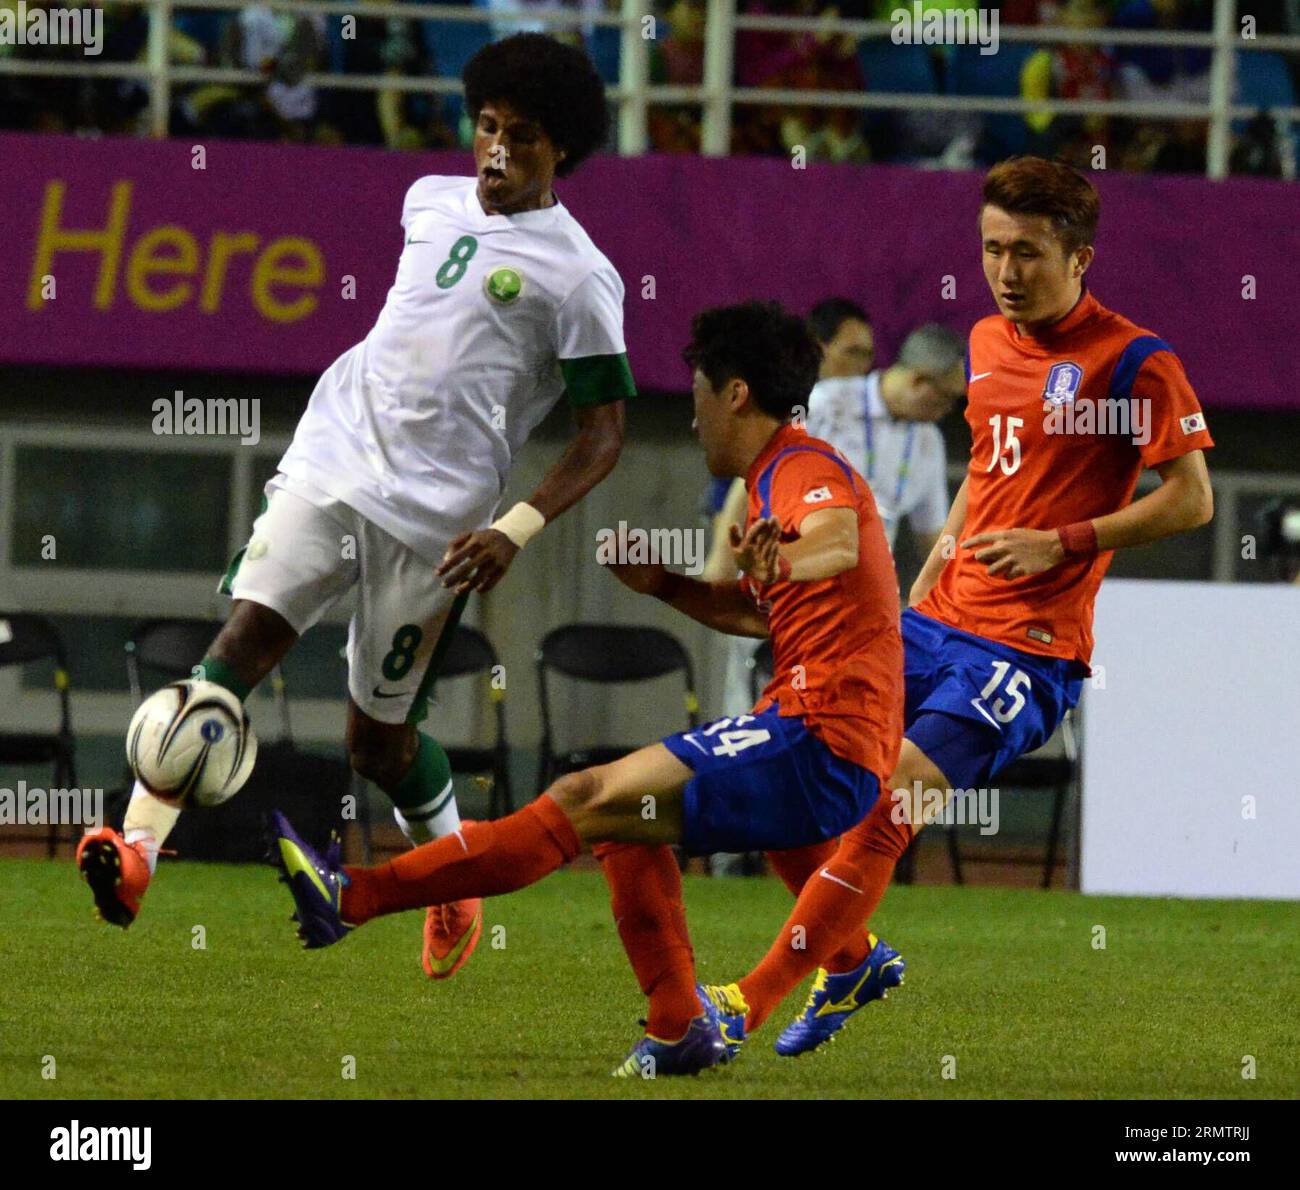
117, 873
450, 934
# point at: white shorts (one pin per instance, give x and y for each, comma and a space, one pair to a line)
306, 551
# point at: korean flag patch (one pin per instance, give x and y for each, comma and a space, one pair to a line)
1192, 423
1063, 383
817, 495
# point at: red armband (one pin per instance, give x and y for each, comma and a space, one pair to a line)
1078, 540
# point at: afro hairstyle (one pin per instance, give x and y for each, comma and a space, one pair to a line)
547, 81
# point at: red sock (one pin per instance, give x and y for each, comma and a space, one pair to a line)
482, 859
840, 898
646, 899
794, 867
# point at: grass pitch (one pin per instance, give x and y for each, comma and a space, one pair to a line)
1008, 984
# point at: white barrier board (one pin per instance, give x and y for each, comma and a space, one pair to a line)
1195, 713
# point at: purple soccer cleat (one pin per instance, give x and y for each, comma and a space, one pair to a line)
316, 882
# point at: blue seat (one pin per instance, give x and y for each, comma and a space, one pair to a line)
889, 67
997, 75
603, 48
451, 44
973, 73
1263, 80
334, 44
204, 27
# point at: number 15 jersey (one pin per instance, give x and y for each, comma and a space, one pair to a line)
1061, 424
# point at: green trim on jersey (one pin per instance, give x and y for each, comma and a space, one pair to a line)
226, 586
597, 379
420, 706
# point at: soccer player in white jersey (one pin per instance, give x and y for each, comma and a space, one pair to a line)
501, 305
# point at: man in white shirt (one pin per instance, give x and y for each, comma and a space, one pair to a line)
884, 424
501, 306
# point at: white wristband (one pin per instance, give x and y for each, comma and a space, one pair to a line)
520, 524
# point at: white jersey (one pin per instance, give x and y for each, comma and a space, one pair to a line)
490, 320
903, 462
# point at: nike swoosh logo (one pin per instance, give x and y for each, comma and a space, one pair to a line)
979, 377
419, 241
824, 873
975, 702
295, 862
383, 694
455, 952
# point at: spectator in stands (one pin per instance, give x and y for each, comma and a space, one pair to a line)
31, 103
1159, 71
283, 47
398, 119
571, 33
677, 58
1077, 71
766, 58
1155, 73
884, 423
827, 134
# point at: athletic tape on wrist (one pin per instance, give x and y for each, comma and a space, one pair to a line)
520, 524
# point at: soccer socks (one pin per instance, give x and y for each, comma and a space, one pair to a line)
838, 899
424, 802
149, 820
795, 867
646, 899
482, 859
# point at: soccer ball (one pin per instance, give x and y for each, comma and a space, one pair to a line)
191, 744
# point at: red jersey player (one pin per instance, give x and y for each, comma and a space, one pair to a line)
1067, 402
802, 768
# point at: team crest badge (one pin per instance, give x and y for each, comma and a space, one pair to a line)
1062, 383
504, 285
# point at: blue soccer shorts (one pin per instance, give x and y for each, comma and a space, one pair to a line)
766, 783
973, 705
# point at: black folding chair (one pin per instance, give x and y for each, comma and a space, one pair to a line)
1052, 768
25, 638
170, 649
167, 650
469, 653
605, 653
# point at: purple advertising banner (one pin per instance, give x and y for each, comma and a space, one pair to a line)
273, 258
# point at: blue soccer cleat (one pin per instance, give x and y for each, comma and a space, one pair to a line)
701, 1047
727, 1007
835, 998
316, 882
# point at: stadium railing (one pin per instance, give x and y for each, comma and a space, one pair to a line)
718, 96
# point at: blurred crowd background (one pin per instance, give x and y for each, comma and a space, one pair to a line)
286, 47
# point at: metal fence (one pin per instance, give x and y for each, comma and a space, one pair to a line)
718, 96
